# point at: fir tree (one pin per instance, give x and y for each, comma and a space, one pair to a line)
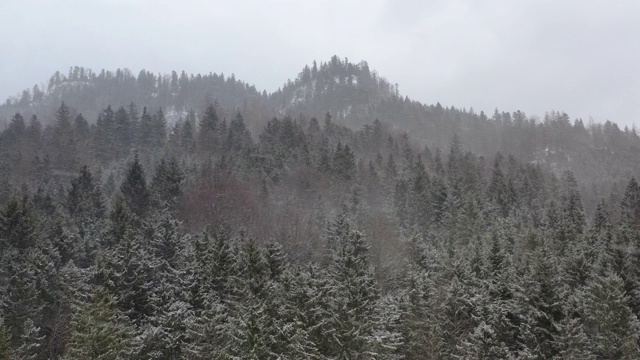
100, 330
17, 224
499, 190
355, 295
123, 132
417, 322
167, 331
573, 217
104, 141
316, 310
208, 132
630, 205
251, 290
238, 137
543, 313
31, 342
5, 346
84, 200
165, 187
134, 189
158, 133
611, 326
146, 131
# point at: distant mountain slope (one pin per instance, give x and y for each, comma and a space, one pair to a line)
600, 154
89, 93
349, 91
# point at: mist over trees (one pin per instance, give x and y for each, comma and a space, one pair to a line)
193, 217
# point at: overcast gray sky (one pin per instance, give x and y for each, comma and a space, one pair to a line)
582, 57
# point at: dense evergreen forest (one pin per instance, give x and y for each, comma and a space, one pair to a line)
194, 217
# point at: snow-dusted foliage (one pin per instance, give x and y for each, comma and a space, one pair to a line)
146, 236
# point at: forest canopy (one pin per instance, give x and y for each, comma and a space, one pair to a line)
193, 217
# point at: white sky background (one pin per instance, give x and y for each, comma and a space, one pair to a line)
581, 57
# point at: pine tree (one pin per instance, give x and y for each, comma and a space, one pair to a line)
238, 137
602, 217
215, 329
401, 204
208, 133
21, 299
122, 132
574, 342
63, 142
215, 333
500, 316
188, 133
390, 172
485, 344
158, 134
287, 317
251, 287
165, 187
455, 166
276, 260
220, 266
573, 218
419, 199
313, 301
81, 127
100, 331
84, 199
120, 224
355, 295
499, 190
146, 131
456, 317
577, 267
132, 112
44, 308
134, 189
387, 335
417, 323
126, 271
439, 193
611, 326
170, 302
104, 141
543, 313
336, 231
630, 274
284, 337
344, 163
630, 205
5, 346
18, 224
31, 342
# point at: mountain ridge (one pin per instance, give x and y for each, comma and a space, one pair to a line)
354, 96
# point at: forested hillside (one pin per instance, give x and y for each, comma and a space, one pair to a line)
147, 218
601, 155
